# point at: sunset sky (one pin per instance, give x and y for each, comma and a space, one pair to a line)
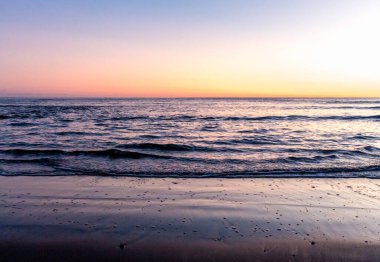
193, 48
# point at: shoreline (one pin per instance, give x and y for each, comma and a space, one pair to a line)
183, 219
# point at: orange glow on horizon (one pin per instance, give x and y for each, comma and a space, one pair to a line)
337, 58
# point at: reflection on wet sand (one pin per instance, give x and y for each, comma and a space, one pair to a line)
185, 219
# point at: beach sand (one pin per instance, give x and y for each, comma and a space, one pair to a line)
155, 219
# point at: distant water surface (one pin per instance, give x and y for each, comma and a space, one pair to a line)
190, 137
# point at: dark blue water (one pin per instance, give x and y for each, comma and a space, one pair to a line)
190, 137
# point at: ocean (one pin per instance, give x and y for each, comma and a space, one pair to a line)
190, 137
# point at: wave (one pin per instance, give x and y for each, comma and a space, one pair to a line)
74, 133
363, 137
111, 153
351, 101
229, 138
22, 124
2, 117
319, 154
350, 107
41, 161
371, 148
302, 117
188, 118
126, 118
253, 141
369, 171
328, 163
183, 148
318, 107
298, 159
164, 147
365, 151
149, 136
272, 118
185, 118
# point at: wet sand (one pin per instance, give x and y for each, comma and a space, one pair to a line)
137, 219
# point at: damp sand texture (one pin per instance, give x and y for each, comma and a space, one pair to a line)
158, 219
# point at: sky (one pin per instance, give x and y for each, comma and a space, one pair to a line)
190, 48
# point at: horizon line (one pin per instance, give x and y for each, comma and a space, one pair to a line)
190, 97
